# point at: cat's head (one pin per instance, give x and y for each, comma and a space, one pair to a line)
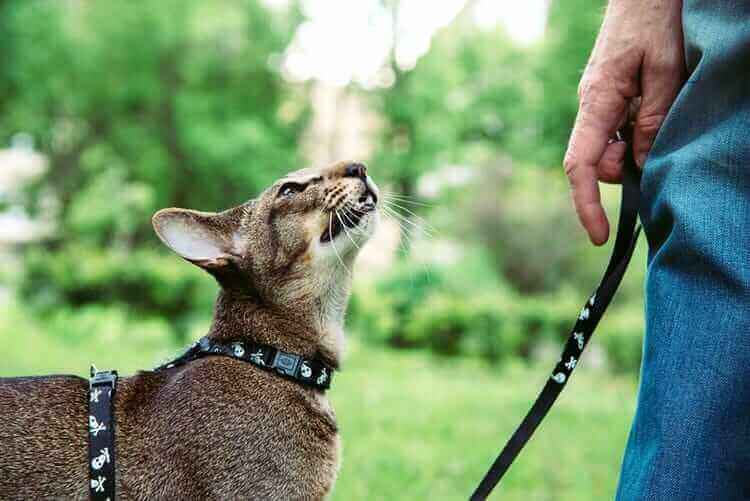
292, 247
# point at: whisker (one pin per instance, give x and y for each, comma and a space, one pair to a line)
408, 202
403, 223
408, 227
416, 216
424, 228
399, 208
333, 242
355, 229
408, 235
405, 199
343, 227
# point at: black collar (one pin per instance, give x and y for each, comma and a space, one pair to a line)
305, 371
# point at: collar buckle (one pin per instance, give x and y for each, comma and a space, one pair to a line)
286, 363
102, 378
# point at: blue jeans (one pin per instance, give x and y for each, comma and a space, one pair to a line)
691, 434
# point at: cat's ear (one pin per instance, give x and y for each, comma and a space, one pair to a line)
207, 239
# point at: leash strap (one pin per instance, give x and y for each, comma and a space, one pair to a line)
101, 429
306, 371
588, 318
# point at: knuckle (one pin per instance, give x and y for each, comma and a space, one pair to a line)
582, 86
592, 86
649, 123
569, 163
665, 67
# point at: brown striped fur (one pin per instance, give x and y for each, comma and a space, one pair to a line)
215, 428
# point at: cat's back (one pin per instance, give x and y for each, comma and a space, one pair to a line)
43, 437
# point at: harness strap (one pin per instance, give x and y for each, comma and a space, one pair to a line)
102, 384
102, 435
588, 319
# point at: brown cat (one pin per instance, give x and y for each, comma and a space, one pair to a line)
217, 427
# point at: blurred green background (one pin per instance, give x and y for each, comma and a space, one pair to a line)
111, 110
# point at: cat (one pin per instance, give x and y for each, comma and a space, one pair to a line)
216, 427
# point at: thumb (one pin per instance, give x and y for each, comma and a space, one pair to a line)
659, 90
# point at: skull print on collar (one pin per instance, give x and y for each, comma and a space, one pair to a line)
306, 371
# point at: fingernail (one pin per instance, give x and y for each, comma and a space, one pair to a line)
598, 236
598, 240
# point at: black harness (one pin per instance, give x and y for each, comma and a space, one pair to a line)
101, 428
101, 425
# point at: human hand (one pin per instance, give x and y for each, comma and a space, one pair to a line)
639, 52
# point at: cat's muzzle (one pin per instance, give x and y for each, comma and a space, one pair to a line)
349, 217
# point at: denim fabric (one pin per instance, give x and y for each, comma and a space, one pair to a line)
691, 434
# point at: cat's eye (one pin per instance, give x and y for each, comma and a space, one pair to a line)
289, 189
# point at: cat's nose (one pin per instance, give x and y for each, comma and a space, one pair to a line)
355, 170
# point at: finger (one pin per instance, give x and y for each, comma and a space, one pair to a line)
659, 89
609, 169
633, 107
585, 187
601, 109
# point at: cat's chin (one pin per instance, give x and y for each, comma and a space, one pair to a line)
347, 239
356, 226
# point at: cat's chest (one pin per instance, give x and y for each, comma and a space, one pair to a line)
263, 439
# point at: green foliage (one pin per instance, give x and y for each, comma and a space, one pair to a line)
458, 310
466, 94
152, 284
68, 340
474, 93
378, 310
109, 324
141, 105
451, 325
524, 220
572, 26
136, 278
545, 318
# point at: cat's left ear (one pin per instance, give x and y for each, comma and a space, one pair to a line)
207, 239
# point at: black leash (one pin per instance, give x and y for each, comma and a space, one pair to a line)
102, 384
591, 313
314, 373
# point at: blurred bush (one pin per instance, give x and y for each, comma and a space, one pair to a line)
68, 339
189, 108
406, 310
524, 219
152, 284
109, 324
455, 325
454, 311
138, 106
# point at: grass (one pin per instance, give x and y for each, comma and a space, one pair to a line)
413, 426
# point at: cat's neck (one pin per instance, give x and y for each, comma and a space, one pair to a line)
241, 318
